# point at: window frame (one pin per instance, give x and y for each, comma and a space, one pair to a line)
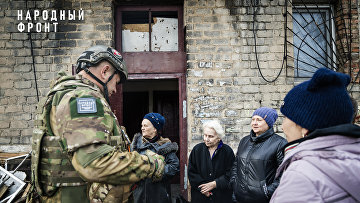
152, 62
330, 44
147, 19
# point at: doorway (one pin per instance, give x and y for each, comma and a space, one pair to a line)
161, 96
165, 102
143, 96
151, 41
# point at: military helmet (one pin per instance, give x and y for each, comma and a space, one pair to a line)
96, 54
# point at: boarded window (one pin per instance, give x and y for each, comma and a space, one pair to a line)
140, 29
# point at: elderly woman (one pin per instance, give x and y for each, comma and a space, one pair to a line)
322, 158
151, 139
258, 156
209, 166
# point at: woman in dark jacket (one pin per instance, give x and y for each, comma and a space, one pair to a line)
258, 156
147, 191
210, 167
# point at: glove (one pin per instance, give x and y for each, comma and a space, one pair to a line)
159, 163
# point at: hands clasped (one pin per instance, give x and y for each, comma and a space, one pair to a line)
206, 188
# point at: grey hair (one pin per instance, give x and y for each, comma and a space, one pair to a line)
214, 124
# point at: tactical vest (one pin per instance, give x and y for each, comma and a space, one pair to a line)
50, 163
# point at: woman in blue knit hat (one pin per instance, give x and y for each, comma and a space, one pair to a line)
258, 156
151, 138
322, 158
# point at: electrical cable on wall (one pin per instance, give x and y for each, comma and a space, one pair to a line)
255, 10
33, 58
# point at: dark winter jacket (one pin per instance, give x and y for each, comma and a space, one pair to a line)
203, 169
147, 191
253, 172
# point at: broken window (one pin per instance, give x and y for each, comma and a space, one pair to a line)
144, 31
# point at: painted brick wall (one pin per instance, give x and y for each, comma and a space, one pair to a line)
223, 77
53, 51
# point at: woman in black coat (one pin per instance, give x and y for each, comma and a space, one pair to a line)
147, 191
259, 155
210, 167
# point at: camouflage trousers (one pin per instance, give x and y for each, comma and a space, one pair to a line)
106, 193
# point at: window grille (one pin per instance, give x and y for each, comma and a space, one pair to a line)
322, 35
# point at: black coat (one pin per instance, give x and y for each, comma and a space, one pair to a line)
253, 172
147, 191
203, 169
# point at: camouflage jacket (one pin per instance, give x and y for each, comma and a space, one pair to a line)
82, 122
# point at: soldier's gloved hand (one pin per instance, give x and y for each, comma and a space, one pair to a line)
159, 162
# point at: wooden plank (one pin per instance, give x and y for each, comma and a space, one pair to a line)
5, 155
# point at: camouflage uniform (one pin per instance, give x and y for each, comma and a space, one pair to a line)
79, 147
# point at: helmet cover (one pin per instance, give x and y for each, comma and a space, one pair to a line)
96, 54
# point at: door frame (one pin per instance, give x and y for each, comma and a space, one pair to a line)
183, 139
158, 65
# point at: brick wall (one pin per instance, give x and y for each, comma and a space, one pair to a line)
223, 78
52, 51
346, 19
355, 91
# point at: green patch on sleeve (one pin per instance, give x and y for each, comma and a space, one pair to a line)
74, 111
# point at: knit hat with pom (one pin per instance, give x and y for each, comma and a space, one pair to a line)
268, 114
156, 119
320, 102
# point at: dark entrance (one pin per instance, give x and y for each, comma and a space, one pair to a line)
162, 96
143, 96
167, 104
136, 105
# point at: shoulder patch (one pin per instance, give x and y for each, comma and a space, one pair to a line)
86, 105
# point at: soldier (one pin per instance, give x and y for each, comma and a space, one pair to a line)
80, 152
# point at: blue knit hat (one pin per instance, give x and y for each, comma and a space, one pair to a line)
268, 114
320, 102
156, 119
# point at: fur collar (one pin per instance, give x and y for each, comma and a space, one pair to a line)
163, 146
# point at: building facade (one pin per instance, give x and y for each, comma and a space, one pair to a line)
191, 60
